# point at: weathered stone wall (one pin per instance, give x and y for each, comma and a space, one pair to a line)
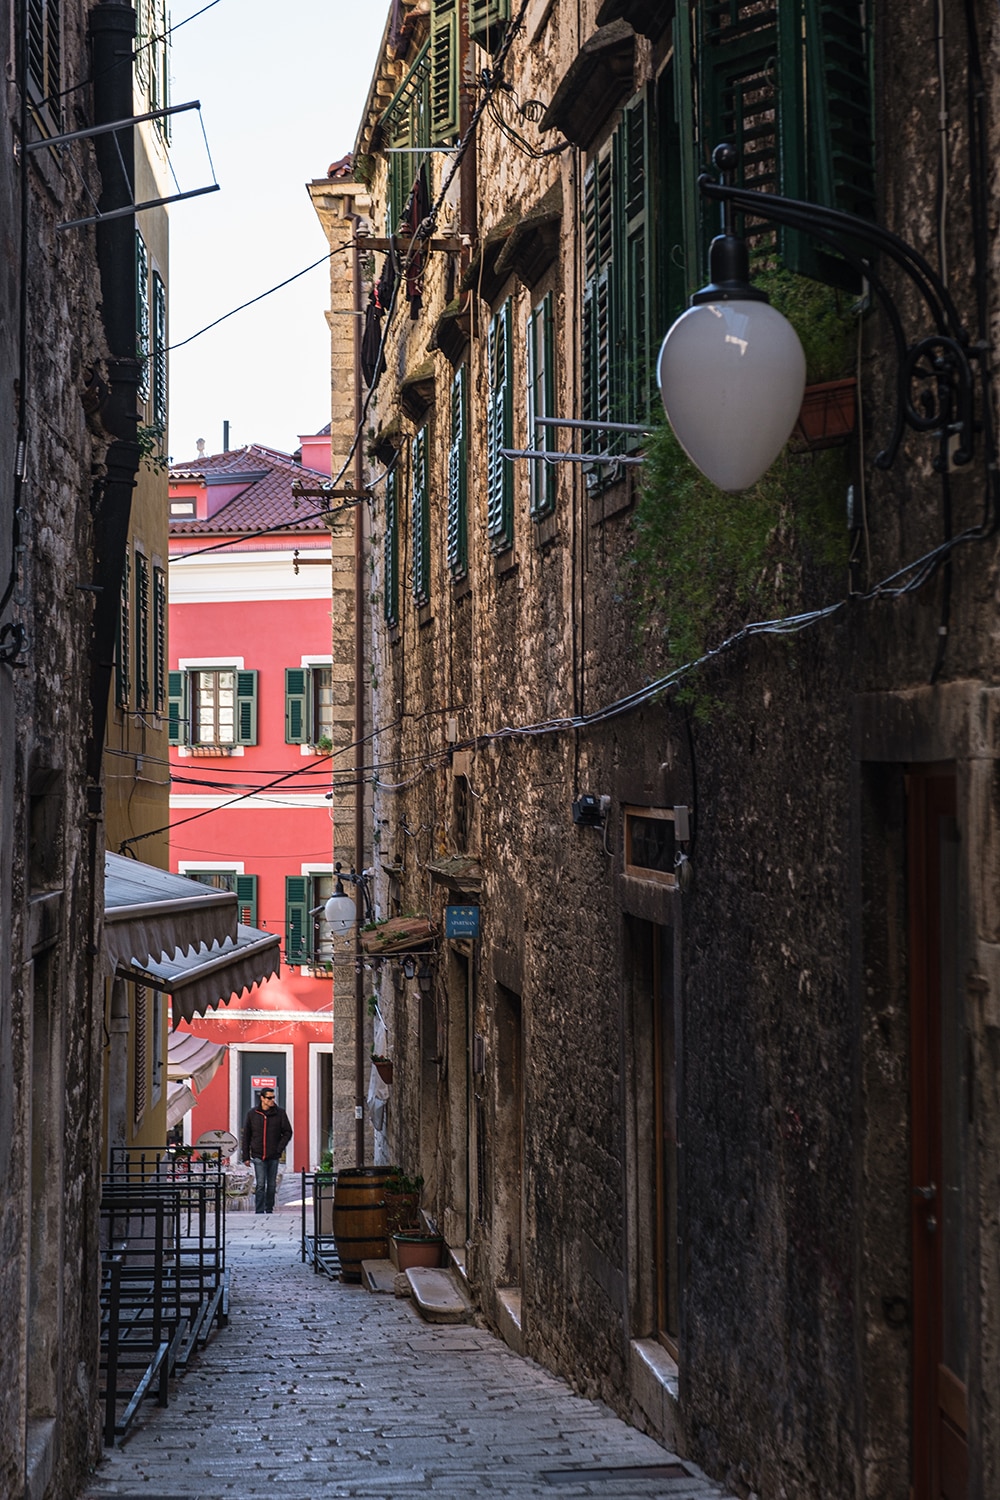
336, 204
787, 952
51, 990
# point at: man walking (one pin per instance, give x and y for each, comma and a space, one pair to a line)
266, 1133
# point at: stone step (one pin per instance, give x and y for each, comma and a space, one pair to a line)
438, 1295
379, 1275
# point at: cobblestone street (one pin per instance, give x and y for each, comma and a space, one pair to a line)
318, 1389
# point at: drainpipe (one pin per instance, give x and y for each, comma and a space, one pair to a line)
359, 708
112, 32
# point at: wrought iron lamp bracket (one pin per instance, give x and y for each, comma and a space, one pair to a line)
935, 382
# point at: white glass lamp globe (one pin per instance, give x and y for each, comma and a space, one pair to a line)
731, 375
340, 913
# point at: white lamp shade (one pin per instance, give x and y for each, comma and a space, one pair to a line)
731, 376
340, 913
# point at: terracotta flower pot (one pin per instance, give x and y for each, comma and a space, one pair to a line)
383, 1067
417, 1249
828, 413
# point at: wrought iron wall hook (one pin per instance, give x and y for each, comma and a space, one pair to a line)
939, 363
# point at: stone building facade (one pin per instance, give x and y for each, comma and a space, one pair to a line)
73, 372
698, 1057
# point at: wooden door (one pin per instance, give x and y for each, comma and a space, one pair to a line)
940, 1121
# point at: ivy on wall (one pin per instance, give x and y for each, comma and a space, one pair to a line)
704, 562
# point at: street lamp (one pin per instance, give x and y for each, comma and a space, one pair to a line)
732, 371
340, 911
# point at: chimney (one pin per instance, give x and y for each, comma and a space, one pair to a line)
200, 445
225, 437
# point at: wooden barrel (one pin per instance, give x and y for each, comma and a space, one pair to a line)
359, 1218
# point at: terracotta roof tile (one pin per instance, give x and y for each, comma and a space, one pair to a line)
265, 501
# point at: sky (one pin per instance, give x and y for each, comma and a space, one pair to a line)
279, 103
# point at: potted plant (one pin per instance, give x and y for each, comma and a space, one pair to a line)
401, 1196
383, 1066
416, 1247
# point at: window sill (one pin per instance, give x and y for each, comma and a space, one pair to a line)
546, 529
505, 562
218, 751
425, 615
461, 588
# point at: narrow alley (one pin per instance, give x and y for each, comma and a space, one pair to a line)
319, 1389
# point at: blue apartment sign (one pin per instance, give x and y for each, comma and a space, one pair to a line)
461, 921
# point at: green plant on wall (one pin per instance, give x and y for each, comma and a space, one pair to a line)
704, 562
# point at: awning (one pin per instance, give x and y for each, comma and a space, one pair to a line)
212, 975
179, 1100
193, 1057
151, 913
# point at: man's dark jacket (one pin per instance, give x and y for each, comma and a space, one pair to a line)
266, 1133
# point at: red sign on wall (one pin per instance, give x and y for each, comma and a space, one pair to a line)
260, 1081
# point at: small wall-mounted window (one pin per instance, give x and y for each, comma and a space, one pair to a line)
650, 845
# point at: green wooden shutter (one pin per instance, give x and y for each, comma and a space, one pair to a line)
246, 708
123, 651
142, 344
159, 360
634, 292
458, 469
597, 295
43, 44
420, 518
177, 714
487, 22
298, 923
298, 726
541, 403
685, 218
142, 631
159, 639
787, 83
444, 70
839, 157
246, 899
390, 603
499, 431
407, 123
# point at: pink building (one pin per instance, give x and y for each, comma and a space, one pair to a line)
251, 694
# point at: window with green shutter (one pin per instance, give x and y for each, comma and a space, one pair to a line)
390, 550
246, 899
159, 639
420, 518
308, 705
123, 646
458, 478
541, 403
213, 706
308, 940
788, 84
177, 712
444, 70
43, 48
152, 58
246, 708
621, 312
159, 360
487, 22
406, 127
599, 330
297, 726
143, 615
142, 335
298, 922
499, 433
